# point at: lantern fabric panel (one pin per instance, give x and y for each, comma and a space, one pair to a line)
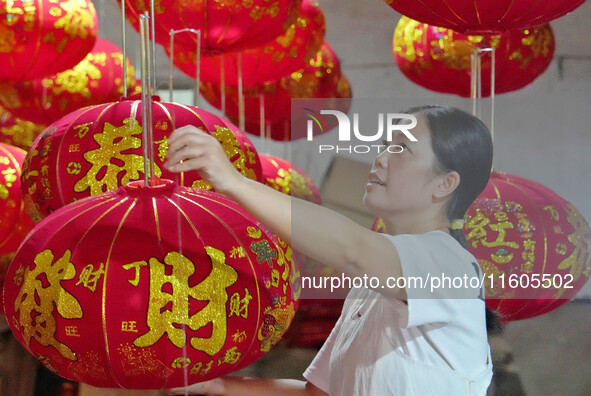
520, 230
43, 37
484, 16
97, 79
185, 283
99, 148
286, 53
225, 26
288, 178
439, 59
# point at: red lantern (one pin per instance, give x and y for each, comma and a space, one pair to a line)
16, 131
533, 246
225, 26
439, 59
484, 16
138, 287
15, 224
97, 79
284, 176
99, 148
42, 37
321, 78
285, 54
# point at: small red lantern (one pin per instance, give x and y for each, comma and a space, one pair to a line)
15, 224
16, 131
97, 79
99, 148
288, 178
139, 287
287, 53
42, 37
321, 78
439, 58
533, 246
484, 16
225, 26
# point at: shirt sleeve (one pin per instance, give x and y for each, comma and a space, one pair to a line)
318, 373
432, 266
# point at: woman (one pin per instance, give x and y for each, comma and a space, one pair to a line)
388, 341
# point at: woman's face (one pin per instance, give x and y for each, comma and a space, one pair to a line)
403, 182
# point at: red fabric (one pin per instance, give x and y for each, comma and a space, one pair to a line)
285, 54
43, 37
321, 78
225, 26
439, 59
97, 79
518, 227
105, 315
484, 16
99, 148
15, 224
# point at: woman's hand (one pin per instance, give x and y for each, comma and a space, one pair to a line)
189, 148
212, 387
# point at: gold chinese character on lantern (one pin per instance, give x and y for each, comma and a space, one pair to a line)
112, 160
239, 306
89, 278
170, 322
37, 300
232, 148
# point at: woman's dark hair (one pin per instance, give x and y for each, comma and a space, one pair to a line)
461, 143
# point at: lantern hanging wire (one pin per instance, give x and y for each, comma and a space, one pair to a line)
242, 121
223, 82
124, 47
197, 33
147, 132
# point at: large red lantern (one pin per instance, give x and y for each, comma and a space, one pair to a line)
42, 37
533, 246
97, 79
484, 16
15, 224
285, 54
16, 131
321, 78
138, 287
439, 58
225, 26
99, 148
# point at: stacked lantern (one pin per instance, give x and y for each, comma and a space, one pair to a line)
321, 78
533, 246
15, 223
286, 53
99, 148
138, 287
97, 79
225, 26
43, 37
439, 58
484, 16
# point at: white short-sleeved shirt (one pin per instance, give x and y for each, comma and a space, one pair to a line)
431, 346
